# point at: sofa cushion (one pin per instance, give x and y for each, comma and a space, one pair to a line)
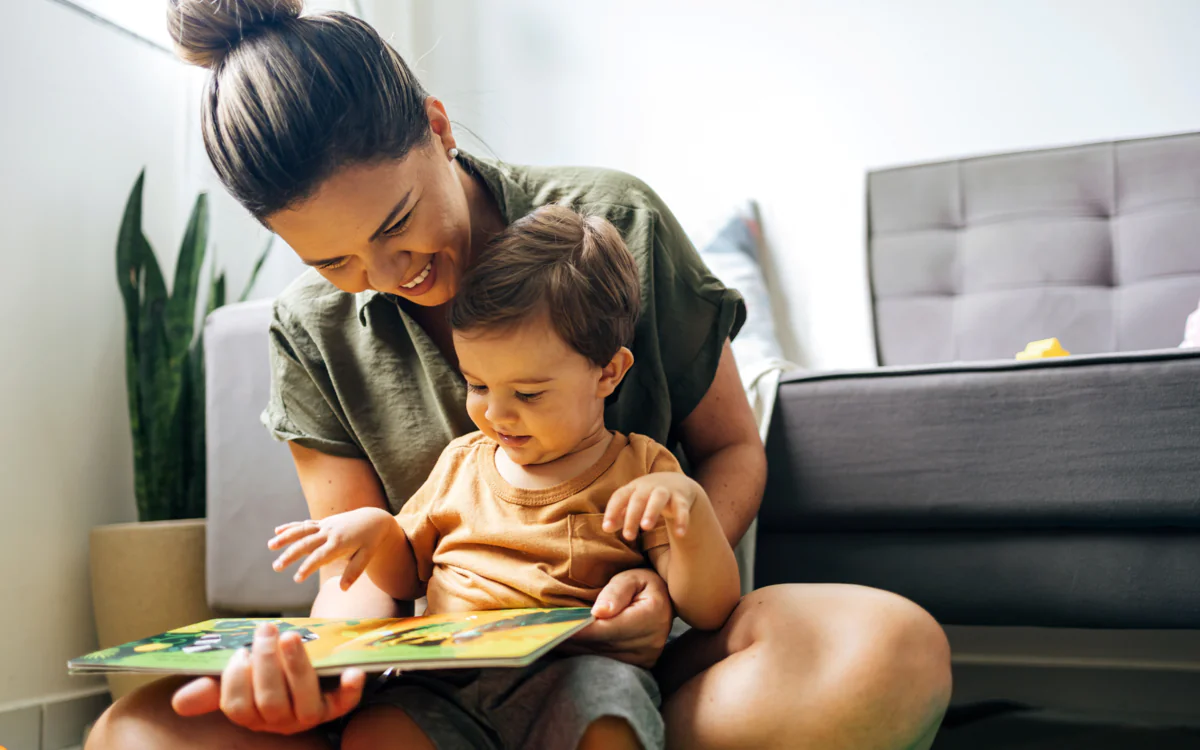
1080, 442
1095, 245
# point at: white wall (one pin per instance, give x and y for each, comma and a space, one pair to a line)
791, 102
84, 108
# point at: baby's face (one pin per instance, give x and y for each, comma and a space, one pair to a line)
528, 390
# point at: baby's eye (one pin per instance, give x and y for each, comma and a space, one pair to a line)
476, 388
529, 397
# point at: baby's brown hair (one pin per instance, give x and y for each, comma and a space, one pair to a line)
573, 267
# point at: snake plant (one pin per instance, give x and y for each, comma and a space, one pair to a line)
164, 361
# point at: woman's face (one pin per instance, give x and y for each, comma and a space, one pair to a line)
402, 227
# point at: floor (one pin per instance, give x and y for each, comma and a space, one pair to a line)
1035, 730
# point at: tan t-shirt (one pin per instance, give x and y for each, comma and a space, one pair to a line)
481, 543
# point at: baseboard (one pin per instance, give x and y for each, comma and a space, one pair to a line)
1152, 695
53, 722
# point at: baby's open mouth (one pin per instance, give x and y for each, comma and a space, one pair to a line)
512, 441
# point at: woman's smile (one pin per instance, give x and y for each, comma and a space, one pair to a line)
422, 282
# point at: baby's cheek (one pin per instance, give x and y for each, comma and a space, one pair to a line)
476, 409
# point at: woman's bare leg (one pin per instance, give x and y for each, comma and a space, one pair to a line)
144, 720
384, 728
817, 666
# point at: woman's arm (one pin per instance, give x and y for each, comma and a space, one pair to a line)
333, 484
722, 443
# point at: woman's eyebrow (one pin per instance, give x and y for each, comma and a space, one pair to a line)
387, 222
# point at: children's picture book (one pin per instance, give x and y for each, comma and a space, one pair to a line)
500, 638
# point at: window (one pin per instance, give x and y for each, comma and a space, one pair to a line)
147, 18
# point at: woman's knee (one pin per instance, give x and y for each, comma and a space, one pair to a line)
137, 719
872, 642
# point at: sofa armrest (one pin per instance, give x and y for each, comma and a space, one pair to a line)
251, 481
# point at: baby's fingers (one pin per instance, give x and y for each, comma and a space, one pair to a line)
290, 532
325, 554
637, 507
680, 511
354, 568
299, 549
615, 512
654, 509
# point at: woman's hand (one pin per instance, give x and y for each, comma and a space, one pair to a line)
271, 688
633, 619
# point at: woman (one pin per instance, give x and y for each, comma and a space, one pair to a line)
318, 128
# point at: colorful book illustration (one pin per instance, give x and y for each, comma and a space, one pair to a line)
500, 638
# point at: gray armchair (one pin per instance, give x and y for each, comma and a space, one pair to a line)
1061, 492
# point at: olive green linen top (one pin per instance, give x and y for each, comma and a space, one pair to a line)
355, 375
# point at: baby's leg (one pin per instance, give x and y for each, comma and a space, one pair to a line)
383, 727
580, 702
610, 733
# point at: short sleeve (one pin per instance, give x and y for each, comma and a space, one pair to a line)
299, 409
695, 314
660, 460
416, 517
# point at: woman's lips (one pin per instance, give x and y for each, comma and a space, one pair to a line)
424, 281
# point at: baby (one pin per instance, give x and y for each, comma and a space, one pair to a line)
544, 504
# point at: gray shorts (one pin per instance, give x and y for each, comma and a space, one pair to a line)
547, 705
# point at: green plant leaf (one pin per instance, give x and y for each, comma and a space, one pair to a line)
158, 391
165, 361
258, 264
181, 308
132, 250
218, 293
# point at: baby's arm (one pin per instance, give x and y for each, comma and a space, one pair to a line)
371, 538
698, 565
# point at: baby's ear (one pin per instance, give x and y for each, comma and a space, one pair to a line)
613, 373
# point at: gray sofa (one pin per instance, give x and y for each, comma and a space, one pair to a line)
1061, 492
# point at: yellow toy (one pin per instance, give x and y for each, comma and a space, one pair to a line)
1043, 349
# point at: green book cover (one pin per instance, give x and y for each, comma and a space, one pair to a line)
498, 638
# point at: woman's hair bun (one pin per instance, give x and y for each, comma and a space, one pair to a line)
204, 31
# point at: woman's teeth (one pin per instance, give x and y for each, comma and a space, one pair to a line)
420, 277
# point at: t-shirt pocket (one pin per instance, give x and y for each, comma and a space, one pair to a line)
598, 555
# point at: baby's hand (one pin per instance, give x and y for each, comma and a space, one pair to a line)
641, 502
356, 534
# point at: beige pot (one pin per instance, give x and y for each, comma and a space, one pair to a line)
146, 578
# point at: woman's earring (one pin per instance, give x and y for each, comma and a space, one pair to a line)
452, 153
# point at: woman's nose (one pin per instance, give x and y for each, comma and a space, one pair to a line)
386, 270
